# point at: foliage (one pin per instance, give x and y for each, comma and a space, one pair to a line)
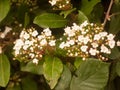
59, 45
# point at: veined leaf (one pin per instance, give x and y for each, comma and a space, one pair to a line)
53, 68
81, 17
65, 79
4, 70
87, 6
91, 75
4, 8
50, 20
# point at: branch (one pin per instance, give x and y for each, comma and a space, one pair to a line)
108, 12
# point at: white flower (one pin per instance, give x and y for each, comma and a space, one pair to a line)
53, 2
32, 55
103, 34
0, 49
75, 27
28, 42
17, 52
111, 43
18, 44
104, 49
43, 42
34, 33
71, 42
35, 61
84, 48
62, 45
69, 32
2, 35
47, 32
97, 37
52, 43
118, 43
80, 38
40, 37
93, 52
110, 37
86, 40
7, 29
25, 47
26, 35
94, 45
22, 34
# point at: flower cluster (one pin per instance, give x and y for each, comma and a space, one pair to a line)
32, 46
61, 4
87, 40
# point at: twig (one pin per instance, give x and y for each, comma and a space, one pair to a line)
108, 12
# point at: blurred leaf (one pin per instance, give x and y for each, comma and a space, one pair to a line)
15, 87
81, 17
50, 20
28, 84
4, 8
53, 68
67, 12
87, 6
91, 75
77, 62
33, 68
118, 68
65, 79
27, 19
4, 70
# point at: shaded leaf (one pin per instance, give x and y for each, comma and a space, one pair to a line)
33, 68
118, 68
53, 68
15, 87
81, 17
87, 6
77, 62
65, 79
4, 8
4, 70
50, 20
91, 75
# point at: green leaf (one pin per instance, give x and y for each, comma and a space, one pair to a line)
50, 20
81, 17
27, 19
28, 83
77, 62
53, 68
4, 70
33, 68
66, 13
4, 8
15, 87
87, 6
91, 75
64, 82
118, 68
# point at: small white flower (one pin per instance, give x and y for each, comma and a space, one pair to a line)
2, 35
94, 45
111, 43
34, 33
104, 49
80, 38
69, 32
53, 2
47, 32
110, 37
40, 37
97, 37
84, 48
93, 52
62, 45
25, 47
26, 36
43, 42
18, 44
71, 42
32, 55
75, 27
35, 61
103, 34
7, 29
118, 43
52, 43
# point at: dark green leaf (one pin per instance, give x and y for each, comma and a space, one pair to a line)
4, 70
65, 79
4, 8
33, 68
91, 75
50, 20
77, 62
53, 68
87, 6
118, 68
81, 17
28, 83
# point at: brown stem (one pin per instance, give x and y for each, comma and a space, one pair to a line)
108, 12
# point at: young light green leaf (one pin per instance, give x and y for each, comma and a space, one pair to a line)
4, 8
91, 75
4, 70
87, 6
64, 82
50, 20
33, 68
81, 17
53, 68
